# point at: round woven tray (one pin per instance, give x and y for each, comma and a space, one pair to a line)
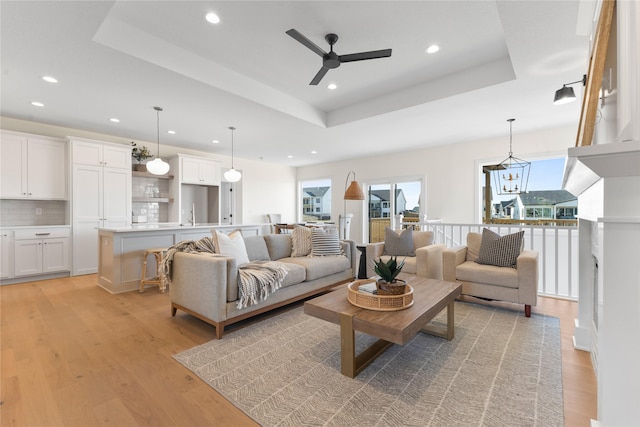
378, 302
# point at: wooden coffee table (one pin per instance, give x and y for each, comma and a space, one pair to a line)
430, 297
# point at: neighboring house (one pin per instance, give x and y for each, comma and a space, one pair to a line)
504, 209
316, 201
545, 204
380, 203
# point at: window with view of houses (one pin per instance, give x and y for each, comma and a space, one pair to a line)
316, 200
545, 202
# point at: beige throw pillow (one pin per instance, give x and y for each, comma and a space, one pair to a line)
300, 241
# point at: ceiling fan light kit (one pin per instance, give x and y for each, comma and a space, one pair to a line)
331, 60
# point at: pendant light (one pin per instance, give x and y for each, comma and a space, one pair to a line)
232, 175
511, 176
158, 166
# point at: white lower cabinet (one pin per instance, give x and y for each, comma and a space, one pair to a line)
41, 251
6, 254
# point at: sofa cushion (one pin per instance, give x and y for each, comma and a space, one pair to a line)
399, 244
256, 248
501, 251
470, 271
422, 238
410, 266
300, 241
474, 240
279, 245
297, 274
317, 267
325, 241
231, 245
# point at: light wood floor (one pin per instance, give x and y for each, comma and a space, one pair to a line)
74, 355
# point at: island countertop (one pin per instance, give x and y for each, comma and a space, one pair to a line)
165, 226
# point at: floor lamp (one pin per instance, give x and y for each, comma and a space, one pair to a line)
352, 192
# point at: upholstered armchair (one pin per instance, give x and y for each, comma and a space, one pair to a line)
517, 283
421, 256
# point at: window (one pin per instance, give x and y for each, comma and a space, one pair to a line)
544, 200
316, 200
384, 203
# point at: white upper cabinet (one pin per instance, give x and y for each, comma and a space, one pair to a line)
98, 154
32, 167
194, 170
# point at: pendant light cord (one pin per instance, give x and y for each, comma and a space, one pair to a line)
232, 129
158, 109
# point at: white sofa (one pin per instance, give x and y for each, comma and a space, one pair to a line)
518, 285
207, 286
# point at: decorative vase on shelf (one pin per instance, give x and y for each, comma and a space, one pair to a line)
389, 284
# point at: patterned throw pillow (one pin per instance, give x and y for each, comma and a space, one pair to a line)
500, 251
300, 241
325, 241
398, 244
231, 245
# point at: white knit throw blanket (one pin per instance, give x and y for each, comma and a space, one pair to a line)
258, 279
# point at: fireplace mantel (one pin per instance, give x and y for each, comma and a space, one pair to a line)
586, 165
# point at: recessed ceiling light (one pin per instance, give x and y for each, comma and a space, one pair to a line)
114, 120
212, 18
37, 104
314, 152
290, 156
50, 79
215, 141
433, 48
332, 86
172, 132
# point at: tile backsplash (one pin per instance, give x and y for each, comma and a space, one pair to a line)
33, 212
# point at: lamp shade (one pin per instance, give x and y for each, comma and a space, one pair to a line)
564, 95
354, 192
232, 175
158, 166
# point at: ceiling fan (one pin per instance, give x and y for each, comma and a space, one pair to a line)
333, 60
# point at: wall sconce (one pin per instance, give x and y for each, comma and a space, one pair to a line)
566, 94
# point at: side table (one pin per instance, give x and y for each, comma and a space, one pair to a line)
362, 267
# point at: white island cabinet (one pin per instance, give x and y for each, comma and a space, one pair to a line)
122, 249
101, 188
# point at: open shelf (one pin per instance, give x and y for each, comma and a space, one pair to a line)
150, 175
152, 200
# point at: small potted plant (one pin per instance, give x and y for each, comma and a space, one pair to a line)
140, 154
389, 284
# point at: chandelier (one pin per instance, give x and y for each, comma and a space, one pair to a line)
511, 176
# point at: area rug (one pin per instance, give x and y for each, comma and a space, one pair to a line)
501, 369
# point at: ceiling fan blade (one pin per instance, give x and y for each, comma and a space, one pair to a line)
365, 55
305, 41
319, 76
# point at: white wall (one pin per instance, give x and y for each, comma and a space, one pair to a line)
451, 172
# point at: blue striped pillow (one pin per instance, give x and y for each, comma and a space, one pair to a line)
325, 241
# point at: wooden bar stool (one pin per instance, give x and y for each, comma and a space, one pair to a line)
158, 253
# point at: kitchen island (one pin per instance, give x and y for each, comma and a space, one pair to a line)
121, 250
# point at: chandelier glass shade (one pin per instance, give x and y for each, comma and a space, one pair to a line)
158, 166
232, 175
511, 176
